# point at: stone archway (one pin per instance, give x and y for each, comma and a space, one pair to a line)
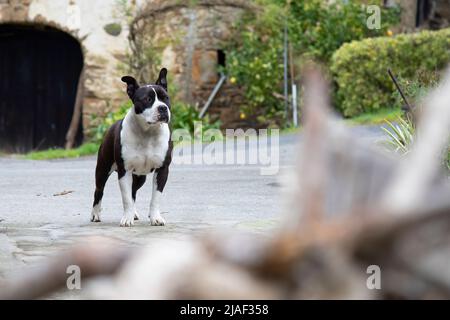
40, 68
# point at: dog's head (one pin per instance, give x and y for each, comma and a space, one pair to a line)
151, 102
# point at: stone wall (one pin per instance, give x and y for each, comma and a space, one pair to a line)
409, 12
193, 38
189, 36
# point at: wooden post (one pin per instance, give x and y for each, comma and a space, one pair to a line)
75, 122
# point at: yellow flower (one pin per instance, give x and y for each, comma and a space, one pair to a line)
389, 33
242, 116
232, 80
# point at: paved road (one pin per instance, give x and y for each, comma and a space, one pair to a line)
35, 222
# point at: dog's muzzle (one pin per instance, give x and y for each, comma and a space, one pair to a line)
163, 114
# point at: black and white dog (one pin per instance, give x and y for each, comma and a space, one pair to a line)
136, 146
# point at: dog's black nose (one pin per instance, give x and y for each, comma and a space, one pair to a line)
162, 109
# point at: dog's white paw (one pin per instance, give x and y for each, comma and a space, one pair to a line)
127, 220
157, 220
136, 215
95, 215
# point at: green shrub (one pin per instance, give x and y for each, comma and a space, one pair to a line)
360, 68
255, 59
184, 116
110, 119
316, 28
319, 28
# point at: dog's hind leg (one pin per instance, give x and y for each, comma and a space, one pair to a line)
101, 176
138, 182
159, 181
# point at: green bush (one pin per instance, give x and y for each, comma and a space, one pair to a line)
360, 68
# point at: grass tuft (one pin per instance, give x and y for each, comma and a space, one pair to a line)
85, 149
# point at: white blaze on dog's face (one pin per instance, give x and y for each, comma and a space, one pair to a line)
151, 102
151, 105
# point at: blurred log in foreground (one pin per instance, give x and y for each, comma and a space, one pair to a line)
350, 207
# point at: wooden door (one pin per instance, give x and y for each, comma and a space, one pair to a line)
39, 71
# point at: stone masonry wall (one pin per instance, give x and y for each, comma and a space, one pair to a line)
193, 37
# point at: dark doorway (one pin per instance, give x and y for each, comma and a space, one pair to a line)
221, 61
423, 11
39, 71
221, 58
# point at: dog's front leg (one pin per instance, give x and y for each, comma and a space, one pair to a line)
159, 181
125, 183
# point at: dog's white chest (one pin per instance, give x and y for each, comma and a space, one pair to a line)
143, 154
142, 160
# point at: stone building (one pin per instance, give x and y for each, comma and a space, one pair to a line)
45, 45
61, 61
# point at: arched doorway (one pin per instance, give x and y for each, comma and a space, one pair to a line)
39, 72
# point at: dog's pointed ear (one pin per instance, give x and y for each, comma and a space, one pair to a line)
162, 79
132, 85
